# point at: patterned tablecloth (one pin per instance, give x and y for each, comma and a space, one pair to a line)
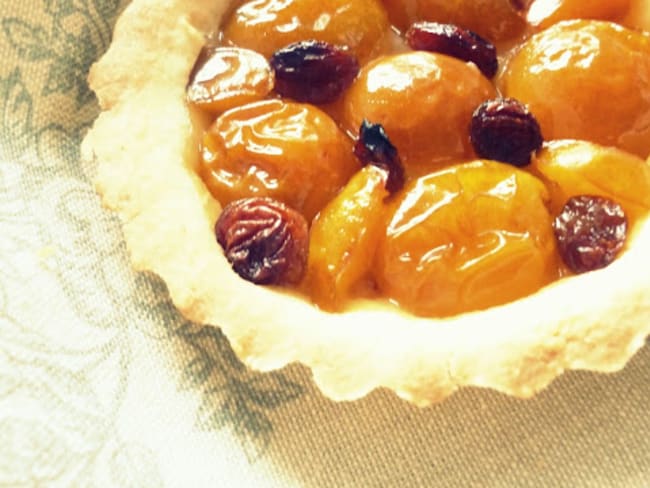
103, 383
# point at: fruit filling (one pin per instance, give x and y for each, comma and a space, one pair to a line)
438, 156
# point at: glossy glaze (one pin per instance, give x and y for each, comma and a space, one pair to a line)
586, 80
343, 239
545, 13
424, 102
289, 151
496, 20
229, 77
579, 167
268, 25
463, 234
468, 237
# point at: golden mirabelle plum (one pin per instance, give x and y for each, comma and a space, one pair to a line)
343, 238
423, 100
583, 168
496, 20
544, 13
467, 238
226, 77
268, 25
292, 152
586, 80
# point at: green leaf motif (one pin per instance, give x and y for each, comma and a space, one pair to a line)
79, 49
197, 371
30, 41
252, 426
58, 8
17, 111
232, 396
258, 423
54, 139
272, 390
67, 71
60, 79
77, 34
106, 8
61, 50
217, 342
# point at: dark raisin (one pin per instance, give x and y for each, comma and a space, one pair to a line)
374, 147
504, 130
264, 240
453, 41
590, 232
313, 71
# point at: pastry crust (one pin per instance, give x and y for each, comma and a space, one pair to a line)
145, 145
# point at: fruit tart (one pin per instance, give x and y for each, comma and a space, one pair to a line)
416, 195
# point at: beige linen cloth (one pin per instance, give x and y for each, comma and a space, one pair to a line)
102, 383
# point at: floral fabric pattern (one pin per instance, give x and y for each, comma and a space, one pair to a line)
104, 383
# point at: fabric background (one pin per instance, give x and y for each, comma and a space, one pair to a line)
102, 383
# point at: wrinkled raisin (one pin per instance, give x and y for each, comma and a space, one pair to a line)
313, 71
264, 240
451, 40
374, 147
504, 130
590, 232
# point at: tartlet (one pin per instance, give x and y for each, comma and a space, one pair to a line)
144, 143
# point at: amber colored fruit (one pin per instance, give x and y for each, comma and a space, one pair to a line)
226, 77
582, 168
268, 25
343, 238
586, 80
544, 13
638, 15
292, 152
423, 100
467, 238
495, 20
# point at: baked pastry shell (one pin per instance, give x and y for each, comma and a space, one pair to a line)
144, 147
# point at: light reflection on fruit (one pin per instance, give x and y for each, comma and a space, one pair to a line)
466, 238
586, 80
289, 151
